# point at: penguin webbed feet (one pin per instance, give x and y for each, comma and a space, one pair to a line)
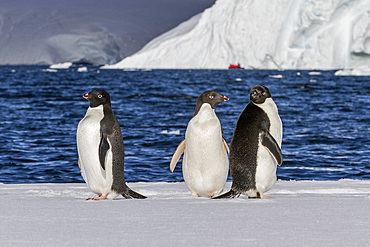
99, 198
259, 195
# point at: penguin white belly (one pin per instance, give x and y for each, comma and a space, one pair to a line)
276, 126
266, 163
88, 141
205, 164
266, 169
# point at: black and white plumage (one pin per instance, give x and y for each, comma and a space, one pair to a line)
255, 148
100, 149
205, 164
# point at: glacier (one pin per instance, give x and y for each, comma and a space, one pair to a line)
261, 34
85, 31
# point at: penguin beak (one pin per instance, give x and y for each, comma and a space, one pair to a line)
86, 95
225, 98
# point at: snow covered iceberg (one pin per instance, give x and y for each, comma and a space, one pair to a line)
95, 32
284, 34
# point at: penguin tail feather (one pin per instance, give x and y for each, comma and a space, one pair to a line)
230, 194
130, 194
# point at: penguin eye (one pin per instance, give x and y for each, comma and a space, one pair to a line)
100, 96
211, 96
263, 93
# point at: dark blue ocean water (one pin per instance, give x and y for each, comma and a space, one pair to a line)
326, 119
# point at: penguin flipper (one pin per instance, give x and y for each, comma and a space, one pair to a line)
176, 156
230, 194
103, 149
270, 143
226, 145
132, 194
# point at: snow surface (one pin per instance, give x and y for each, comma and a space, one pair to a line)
283, 34
85, 31
301, 213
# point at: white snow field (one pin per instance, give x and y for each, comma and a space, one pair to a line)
301, 213
85, 31
262, 34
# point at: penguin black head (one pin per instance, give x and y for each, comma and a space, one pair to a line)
211, 97
259, 94
97, 97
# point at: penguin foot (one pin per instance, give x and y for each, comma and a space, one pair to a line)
266, 197
254, 197
99, 198
194, 195
263, 197
215, 195
260, 196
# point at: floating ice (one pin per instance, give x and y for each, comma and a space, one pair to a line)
50, 70
65, 65
353, 72
276, 76
280, 34
82, 69
314, 73
173, 132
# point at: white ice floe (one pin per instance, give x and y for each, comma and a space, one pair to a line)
276, 76
314, 73
50, 70
353, 72
65, 65
300, 213
173, 132
82, 69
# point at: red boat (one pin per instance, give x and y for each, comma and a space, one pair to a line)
235, 66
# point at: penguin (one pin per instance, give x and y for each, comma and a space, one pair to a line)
100, 149
205, 164
255, 148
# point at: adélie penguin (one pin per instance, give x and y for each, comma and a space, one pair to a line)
100, 149
255, 148
205, 164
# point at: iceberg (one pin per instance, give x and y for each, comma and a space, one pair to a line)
283, 34
88, 32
